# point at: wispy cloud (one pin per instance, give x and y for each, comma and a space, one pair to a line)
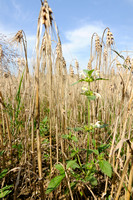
17, 8
78, 42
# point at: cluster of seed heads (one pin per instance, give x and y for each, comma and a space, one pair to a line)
89, 66
97, 43
18, 37
59, 50
71, 71
110, 38
127, 61
21, 61
43, 47
46, 15
63, 62
48, 49
77, 65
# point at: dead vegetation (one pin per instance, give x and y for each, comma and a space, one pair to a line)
49, 130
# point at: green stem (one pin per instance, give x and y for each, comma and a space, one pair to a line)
78, 159
88, 137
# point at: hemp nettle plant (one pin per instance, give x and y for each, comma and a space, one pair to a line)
74, 168
90, 76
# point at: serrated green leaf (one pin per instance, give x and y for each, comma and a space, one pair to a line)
72, 164
54, 183
74, 139
88, 72
78, 129
3, 173
91, 179
5, 191
94, 151
65, 136
60, 168
105, 167
73, 153
103, 147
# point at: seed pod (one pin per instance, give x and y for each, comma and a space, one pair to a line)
71, 71
127, 61
97, 43
76, 65
89, 65
109, 38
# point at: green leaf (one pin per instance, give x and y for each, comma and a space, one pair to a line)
93, 151
121, 56
74, 139
105, 167
98, 79
5, 191
92, 97
60, 168
1, 152
54, 183
103, 147
72, 164
91, 179
94, 143
78, 129
65, 136
73, 153
3, 173
76, 82
88, 72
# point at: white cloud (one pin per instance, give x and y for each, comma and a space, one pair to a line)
79, 40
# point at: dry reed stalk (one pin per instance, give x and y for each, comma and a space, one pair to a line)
37, 109
123, 135
2, 148
129, 188
122, 178
111, 151
7, 125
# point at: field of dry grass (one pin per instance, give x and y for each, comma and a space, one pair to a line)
65, 133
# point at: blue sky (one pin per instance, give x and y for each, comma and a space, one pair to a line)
76, 20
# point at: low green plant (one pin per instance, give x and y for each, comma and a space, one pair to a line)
4, 191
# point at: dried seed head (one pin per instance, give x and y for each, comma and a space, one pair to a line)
77, 65
97, 43
105, 54
71, 71
59, 50
46, 14
109, 38
127, 61
18, 37
21, 61
89, 65
6, 75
